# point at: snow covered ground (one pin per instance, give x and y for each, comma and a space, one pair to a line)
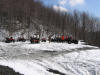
51, 58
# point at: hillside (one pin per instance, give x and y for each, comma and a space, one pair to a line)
17, 15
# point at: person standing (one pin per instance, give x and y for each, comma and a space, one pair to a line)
49, 39
62, 38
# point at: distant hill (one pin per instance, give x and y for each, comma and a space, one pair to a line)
29, 17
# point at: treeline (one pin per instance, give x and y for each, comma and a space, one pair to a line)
32, 15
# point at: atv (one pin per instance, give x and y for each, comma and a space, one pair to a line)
9, 40
43, 40
34, 40
75, 41
21, 39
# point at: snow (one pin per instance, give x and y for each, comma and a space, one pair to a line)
53, 46
70, 59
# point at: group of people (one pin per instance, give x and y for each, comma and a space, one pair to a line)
63, 38
60, 39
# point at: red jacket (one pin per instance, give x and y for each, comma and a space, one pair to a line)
62, 37
66, 38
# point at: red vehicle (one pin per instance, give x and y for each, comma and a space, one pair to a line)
34, 40
43, 39
9, 40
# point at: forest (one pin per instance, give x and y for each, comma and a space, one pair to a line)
32, 15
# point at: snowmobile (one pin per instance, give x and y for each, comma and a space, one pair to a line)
9, 40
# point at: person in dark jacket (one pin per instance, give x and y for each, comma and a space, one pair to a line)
69, 40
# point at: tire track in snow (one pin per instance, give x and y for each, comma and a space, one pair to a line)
75, 68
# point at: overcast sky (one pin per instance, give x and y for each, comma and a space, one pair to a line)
90, 6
